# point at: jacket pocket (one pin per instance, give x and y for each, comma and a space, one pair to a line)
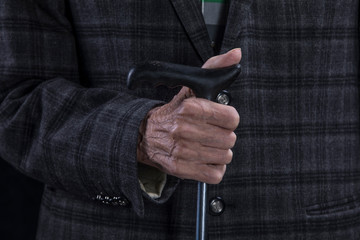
338, 207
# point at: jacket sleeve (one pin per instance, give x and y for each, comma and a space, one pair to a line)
82, 140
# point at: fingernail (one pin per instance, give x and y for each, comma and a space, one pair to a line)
236, 49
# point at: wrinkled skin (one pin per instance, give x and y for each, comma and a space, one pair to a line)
191, 138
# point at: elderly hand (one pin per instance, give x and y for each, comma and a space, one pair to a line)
191, 138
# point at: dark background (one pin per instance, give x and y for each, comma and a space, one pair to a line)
20, 198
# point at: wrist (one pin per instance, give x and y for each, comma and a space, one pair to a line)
142, 155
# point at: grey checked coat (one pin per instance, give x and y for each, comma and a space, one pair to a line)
67, 119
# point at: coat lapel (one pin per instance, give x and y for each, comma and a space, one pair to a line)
189, 13
233, 24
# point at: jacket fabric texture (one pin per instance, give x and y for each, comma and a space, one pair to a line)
68, 120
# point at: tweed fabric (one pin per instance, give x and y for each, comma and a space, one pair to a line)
67, 119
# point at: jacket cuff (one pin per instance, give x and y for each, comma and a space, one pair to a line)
128, 165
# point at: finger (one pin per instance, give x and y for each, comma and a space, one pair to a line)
195, 170
184, 93
205, 134
207, 173
224, 60
210, 112
214, 173
205, 155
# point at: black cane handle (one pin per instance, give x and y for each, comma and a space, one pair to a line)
206, 83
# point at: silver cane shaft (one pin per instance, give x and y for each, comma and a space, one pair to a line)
201, 226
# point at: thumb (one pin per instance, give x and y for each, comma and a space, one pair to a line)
224, 60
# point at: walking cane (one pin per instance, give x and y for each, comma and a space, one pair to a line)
205, 83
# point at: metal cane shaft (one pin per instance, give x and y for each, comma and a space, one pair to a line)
201, 226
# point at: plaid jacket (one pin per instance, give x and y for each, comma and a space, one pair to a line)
67, 118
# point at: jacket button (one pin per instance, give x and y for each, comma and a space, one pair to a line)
217, 206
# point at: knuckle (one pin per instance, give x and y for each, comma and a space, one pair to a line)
217, 175
235, 117
232, 139
176, 128
208, 176
182, 109
186, 107
228, 157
